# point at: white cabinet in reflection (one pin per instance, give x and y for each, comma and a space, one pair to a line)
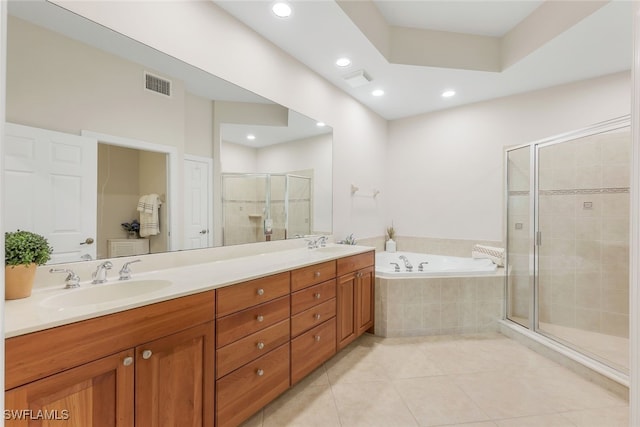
127, 247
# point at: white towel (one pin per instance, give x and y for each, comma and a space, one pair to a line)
149, 206
489, 252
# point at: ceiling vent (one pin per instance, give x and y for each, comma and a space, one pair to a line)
157, 84
358, 78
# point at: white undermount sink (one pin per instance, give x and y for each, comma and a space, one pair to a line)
96, 294
334, 249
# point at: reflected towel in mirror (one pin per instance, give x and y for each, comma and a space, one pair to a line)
148, 206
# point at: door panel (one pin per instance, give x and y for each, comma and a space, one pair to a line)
197, 215
51, 179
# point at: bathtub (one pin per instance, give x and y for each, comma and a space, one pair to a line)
453, 295
438, 265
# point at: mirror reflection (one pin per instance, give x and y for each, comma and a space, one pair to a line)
99, 125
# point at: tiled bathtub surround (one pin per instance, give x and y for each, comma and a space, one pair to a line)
439, 305
429, 245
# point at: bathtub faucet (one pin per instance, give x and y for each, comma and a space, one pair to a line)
396, 267
420, 267
407, 264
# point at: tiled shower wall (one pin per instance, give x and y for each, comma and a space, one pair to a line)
584, 223
584, 220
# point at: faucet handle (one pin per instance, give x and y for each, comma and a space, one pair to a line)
396, 266
125, 271
72, 280
323, 240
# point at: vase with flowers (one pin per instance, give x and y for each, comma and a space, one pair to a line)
132, 228
390, 244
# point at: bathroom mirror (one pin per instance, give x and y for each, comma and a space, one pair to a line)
74, 78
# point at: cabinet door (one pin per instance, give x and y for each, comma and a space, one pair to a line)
96, 394
365, 300
345, 315
175, 379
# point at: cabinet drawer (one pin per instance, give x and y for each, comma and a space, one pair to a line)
312, 296
245, 350
246, 322
244, 295
307, 276
311, 349
355, 262
248, 389
312, 317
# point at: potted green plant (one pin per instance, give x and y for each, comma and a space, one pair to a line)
24, 251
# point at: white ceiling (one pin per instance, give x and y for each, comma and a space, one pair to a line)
487, 18
318, 32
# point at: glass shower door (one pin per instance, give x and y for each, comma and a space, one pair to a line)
583, 244
519, 229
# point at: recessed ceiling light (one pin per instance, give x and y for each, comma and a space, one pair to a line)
377, 92
251, 137
281, 9
320, 124
343, 62
448, 93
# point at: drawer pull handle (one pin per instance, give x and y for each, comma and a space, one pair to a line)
316, 316
317, 338
359, 274
260, 345
259, 317
259, 372
316, 295
128, 361
146, 354
260, 291
316, 274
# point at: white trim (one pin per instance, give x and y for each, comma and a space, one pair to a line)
3, 85
634, 253
172, 177
209, 162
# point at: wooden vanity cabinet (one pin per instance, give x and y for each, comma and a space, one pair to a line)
313, 321
355, 297
252, 346
147, 366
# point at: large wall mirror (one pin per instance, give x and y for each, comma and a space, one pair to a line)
105, 134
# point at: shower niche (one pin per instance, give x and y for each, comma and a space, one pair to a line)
567, 219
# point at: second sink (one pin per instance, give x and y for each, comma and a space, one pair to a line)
96, 294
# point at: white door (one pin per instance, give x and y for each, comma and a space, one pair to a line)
197, 203
50, 182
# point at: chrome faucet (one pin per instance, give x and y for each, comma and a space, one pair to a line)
396, 267
100, 275
72, 281
125, 271
314, 243
420, 266
407, 264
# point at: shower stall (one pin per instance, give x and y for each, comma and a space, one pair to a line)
263, 207
567, 220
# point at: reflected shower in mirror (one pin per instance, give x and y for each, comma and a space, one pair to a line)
70, 78
276, 179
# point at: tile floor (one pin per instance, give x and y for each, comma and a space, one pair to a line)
483, 380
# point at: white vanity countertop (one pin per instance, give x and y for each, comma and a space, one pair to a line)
34, 313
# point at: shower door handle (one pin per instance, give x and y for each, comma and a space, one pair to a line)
538, 238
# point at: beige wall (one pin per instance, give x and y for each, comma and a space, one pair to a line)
61, 84
118, 193
449, 164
